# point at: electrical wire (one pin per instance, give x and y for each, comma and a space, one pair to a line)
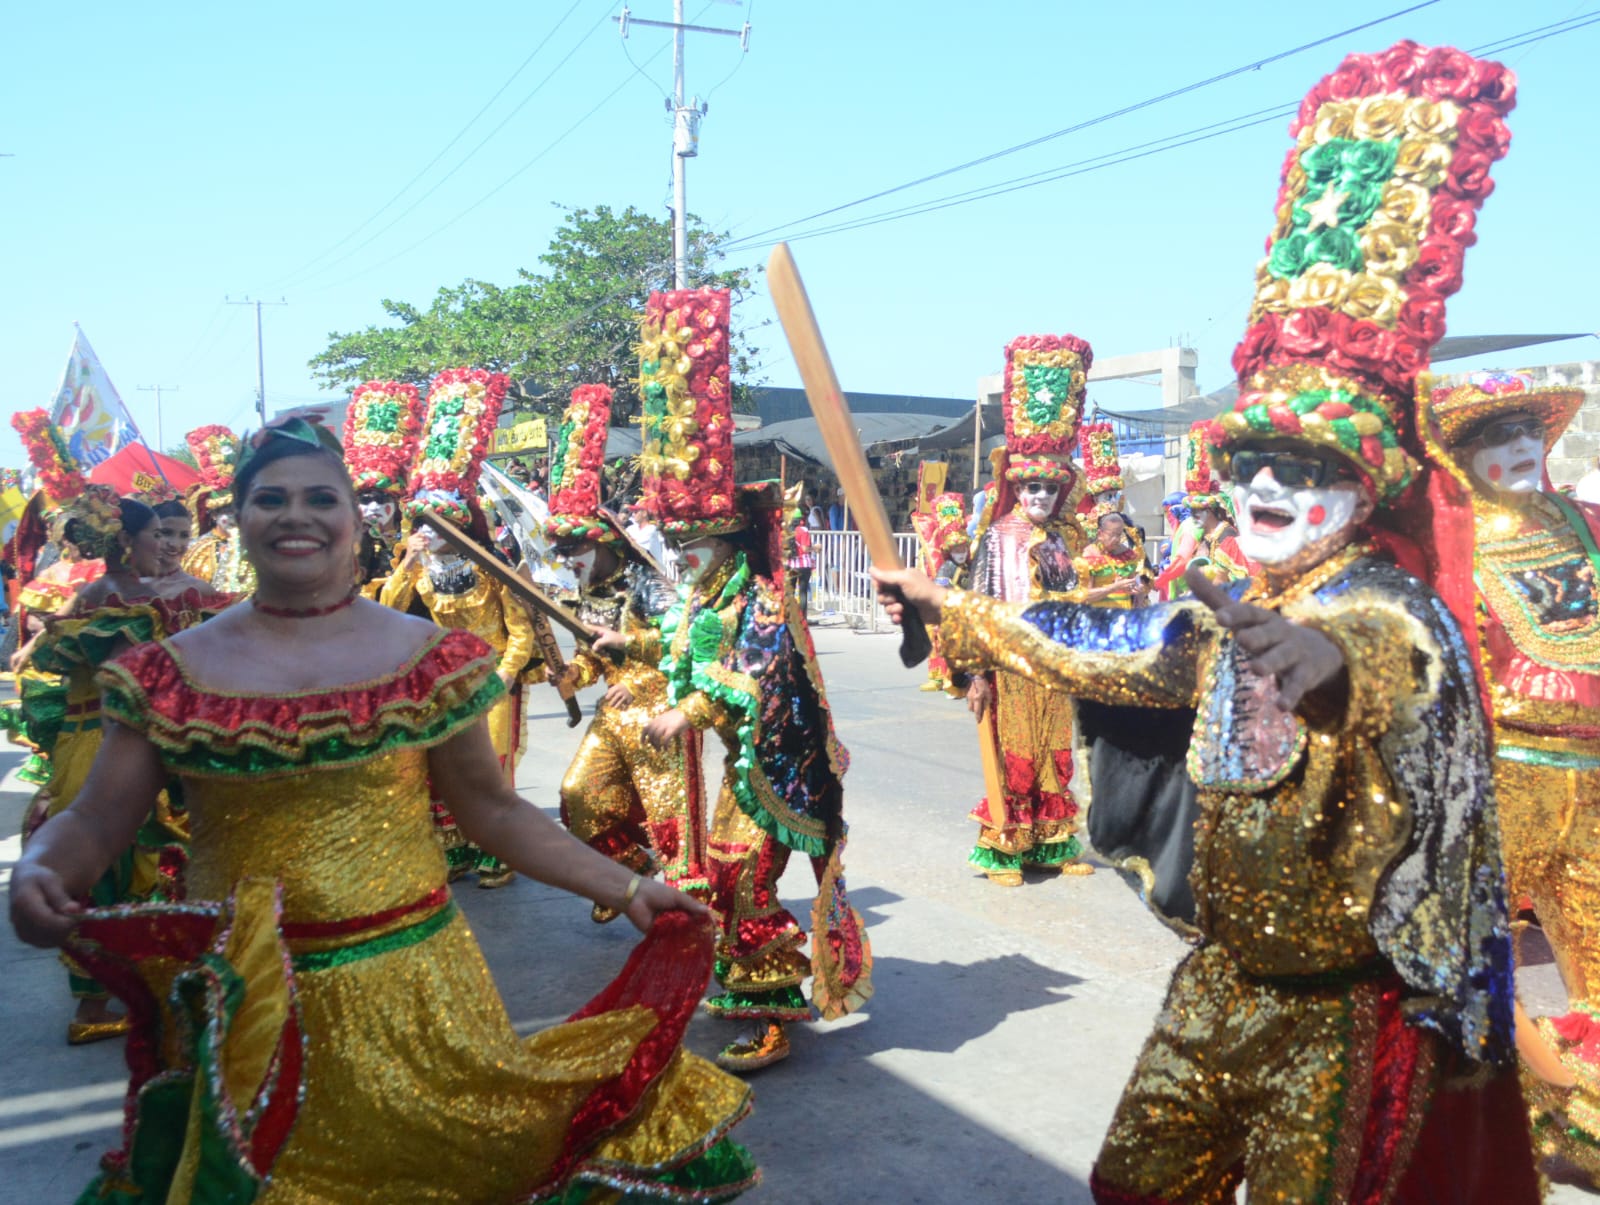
1094, 121
462, 162
1127, 154
506, 183
744, 53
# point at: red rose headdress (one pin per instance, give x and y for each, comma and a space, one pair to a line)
59, 476
1102, 470
1042, 397
1201, 488
576, 461
1376, 209
380, 435
686, 458
463, 408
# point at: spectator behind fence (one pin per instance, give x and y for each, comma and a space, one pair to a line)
800, 563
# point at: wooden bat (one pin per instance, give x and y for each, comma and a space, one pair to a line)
839, 433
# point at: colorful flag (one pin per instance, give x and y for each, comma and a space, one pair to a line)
87, 410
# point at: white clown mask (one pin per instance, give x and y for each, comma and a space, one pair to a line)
1508, 455
1038, 499
1295, 527
582, 564
698, 558
377, 513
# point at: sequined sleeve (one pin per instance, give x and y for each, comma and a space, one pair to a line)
519, 635
1143, 658
1391, 660
400, 587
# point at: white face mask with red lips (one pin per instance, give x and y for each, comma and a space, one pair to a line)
1279, 526
1516, 467
1038, 499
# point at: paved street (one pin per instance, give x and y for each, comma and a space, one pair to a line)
984, 1069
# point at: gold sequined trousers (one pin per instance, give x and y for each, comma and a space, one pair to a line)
1270, 1083
1550, 834
760, 948
625, 798
1033, 724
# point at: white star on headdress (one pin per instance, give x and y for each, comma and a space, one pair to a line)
1324, 211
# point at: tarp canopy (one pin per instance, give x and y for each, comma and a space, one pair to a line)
799, 437
132, 470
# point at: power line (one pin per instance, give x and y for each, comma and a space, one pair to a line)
444, 150
1127, 154
500, 187
1094, 121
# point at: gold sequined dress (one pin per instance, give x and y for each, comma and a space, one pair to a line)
344, 1041
1352, 942
622, 796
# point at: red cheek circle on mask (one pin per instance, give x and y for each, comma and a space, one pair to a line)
1316, 514
1496, 472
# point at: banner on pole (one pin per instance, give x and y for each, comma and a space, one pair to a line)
931, 476
88, 411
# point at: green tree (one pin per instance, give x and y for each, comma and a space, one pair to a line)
575, 322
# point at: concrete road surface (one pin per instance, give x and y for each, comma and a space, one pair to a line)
985, 1068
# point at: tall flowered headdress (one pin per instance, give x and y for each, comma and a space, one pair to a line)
686, 459
576, 462
462, 410
380, 435
1376, 208
942, 529
1044, 383
1201, 488
56, 471
1102, 470
215, 450
95, 516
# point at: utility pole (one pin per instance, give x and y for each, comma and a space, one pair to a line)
261, 363
156, 389
685, 125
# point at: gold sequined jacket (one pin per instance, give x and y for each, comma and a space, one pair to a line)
1356, 833
632, 602
485, 609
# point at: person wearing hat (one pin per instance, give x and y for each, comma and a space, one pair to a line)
1346, 1015
215, 555
1112, 568
1026, 550
946, 551
381, 429
1185, 538
459, 419
1536, 561
634, 801
738, 659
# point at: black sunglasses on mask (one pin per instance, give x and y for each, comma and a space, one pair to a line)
1502, 431
1293, 470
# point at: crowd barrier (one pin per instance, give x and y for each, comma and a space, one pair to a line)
840, 584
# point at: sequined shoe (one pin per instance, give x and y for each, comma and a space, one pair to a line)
600, 914
1004, 878
488, 880
766, 1046
81, 1033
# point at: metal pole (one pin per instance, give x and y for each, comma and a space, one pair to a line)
977, 441
680, 189
261, 372
156, 389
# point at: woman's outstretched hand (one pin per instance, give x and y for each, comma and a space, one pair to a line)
653, 898
42, 911
1302, 659
900, 588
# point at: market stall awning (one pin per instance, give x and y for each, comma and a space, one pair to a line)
800, 438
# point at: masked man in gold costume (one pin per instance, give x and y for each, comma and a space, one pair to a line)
638, 803
1347, 1013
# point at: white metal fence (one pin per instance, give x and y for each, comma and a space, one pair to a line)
840, 584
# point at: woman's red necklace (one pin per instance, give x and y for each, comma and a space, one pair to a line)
304, 612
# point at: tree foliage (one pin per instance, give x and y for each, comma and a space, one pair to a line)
575, 322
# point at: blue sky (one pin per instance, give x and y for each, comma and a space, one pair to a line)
167, 156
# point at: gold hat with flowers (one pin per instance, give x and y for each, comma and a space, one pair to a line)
1375, 211
462, 410
577, 459
1201, 488
942, 528
1102, 470
1453, 413
381, 429
215, 450
1042, 397
686, 453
